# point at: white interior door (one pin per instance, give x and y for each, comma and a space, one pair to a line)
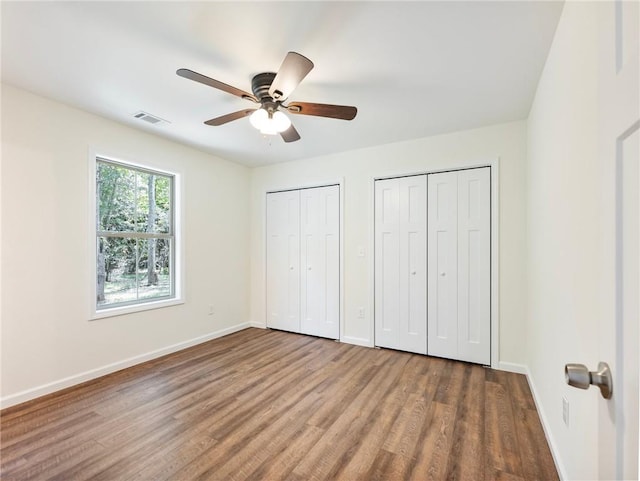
459, 256
413, 264
387, 263
619, 144
401, 263
474, 265
630, 291
320, 261
283, 260
443, 265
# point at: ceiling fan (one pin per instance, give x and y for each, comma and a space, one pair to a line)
271, 91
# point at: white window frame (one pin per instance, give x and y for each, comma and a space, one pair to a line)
177, 261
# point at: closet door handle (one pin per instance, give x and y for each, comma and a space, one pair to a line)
413, 273
290, 268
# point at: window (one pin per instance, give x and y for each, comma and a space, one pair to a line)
135, 235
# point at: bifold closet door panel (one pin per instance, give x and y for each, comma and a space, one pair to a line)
413, 259
459, 256
474, 265
443, 265
401, 263
283, 260
387, 263
320, 261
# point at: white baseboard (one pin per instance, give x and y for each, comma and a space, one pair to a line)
513, 367
259, 325
545, 426
66, 382
358, 341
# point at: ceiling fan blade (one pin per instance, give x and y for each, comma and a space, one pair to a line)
223, 119
203, 79
290, 135
294, 68
343, 112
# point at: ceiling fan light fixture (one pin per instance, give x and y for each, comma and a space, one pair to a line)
258, 118
269, 123
281, 122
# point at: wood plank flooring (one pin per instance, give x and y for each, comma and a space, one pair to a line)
269, 405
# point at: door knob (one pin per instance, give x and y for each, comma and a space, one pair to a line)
578, 375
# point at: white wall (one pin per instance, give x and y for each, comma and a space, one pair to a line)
46, 334
358, 168
564, 237
47, 340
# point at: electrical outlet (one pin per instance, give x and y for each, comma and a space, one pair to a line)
361, 313
565, 411
211, 309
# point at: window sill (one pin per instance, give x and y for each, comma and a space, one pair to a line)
120, 311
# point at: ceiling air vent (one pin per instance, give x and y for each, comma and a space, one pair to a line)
152, 119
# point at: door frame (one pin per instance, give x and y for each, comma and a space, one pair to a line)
494, 164
271, 190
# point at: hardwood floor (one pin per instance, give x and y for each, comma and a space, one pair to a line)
270, 405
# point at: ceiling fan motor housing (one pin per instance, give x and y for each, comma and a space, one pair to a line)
260, 86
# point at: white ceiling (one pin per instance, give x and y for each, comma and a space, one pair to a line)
412, 69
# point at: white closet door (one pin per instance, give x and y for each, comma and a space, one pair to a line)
443, 268
401, 267
459, 265
320, 261
387, 263
474, 269
413, 262
283, 260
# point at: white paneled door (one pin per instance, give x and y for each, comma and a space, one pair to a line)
283, 260
303, 261
400, 263
443, 265
459, 281
619, 151
474, 265
320, 261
